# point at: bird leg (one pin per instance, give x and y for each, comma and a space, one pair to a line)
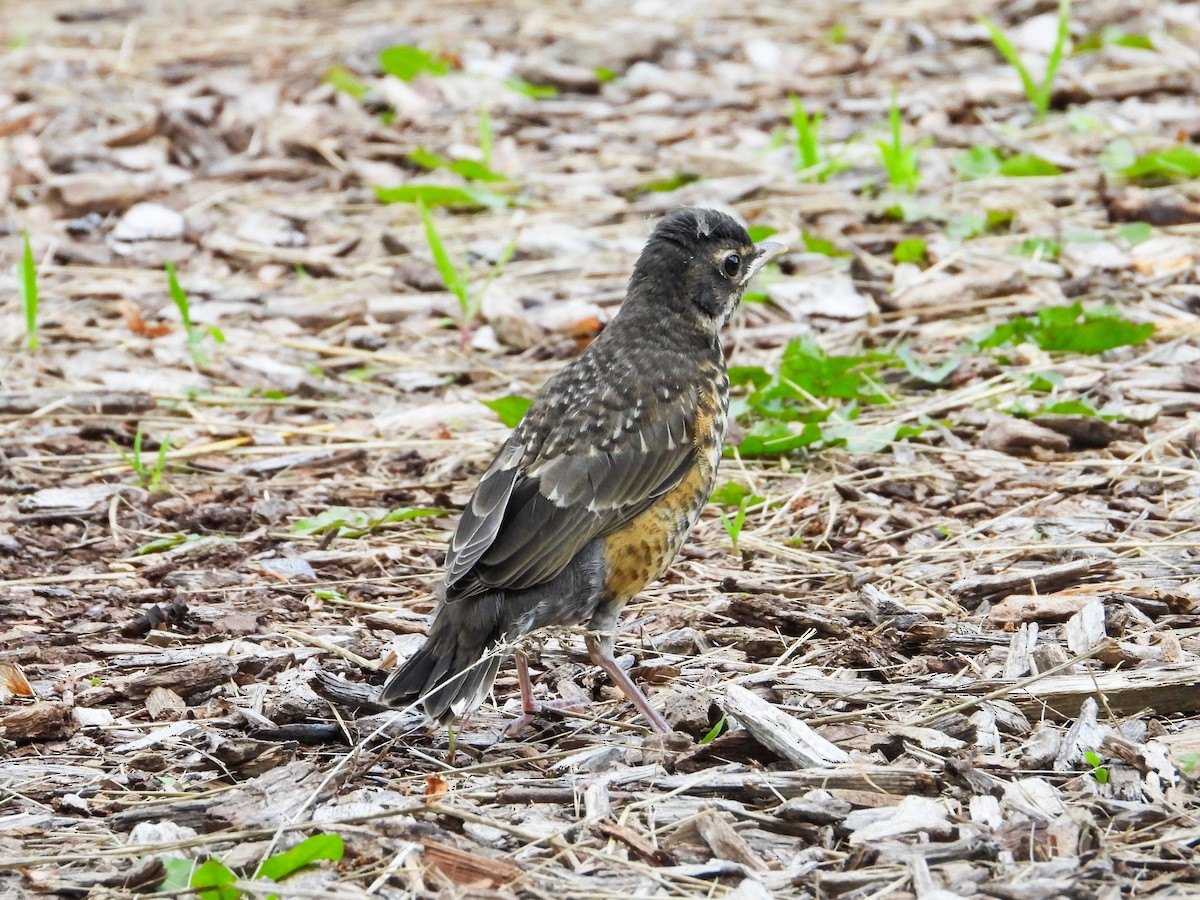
600, 649
531, 708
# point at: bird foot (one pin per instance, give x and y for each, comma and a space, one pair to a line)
532, 709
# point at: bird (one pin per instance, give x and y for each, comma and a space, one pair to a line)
593, 493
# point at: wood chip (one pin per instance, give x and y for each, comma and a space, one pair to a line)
782, 734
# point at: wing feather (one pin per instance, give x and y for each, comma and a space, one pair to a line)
570, 473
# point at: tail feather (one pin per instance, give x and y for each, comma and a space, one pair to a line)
450, 675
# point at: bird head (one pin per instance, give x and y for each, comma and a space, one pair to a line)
696, 266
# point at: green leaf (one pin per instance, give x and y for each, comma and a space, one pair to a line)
1112, 36
166, 542
714, 732
733, 526
732, 494
910, 250
858, 439
531, 90
1026, 165
663, 185
814, 244
924, 372
357, 522
1045, 382
1093, 759
1041, 247
406, 63
1135, 232
760, 232
605, 75
342, 79
308, 851
1134, 41
1070, 328
807, 367
1074, 408
179, 873
966, 225
999, 219
978, 162
755, 375
909, 210
468, 168
1169, 164
405, 513
212, 880
777, 439
1083, 121
27, 281
442, 195
1094, 331
1118, 156
511, 408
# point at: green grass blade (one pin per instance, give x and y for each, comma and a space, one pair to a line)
1012, 57
160, 464
179, 296
29, 294
485, 136
1056, 55
138, 466
451, 276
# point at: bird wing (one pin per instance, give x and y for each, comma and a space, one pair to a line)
570, 473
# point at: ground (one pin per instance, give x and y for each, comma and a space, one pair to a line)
939, 638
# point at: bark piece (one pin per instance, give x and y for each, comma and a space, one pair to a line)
953, 291
1018, 608
185, 678
469, 869
37, 722
1085, 629
19, 403
1089, 432
639, 845
725, 842
1019, 437
976, 588
779, 732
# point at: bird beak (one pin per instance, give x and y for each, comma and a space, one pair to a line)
767, 251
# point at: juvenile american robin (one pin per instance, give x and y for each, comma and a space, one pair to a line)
594, 492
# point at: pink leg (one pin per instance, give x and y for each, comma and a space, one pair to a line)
600, 650
531, 708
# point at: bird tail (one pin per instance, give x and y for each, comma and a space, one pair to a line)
450, 675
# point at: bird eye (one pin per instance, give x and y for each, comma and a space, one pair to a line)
731, 265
